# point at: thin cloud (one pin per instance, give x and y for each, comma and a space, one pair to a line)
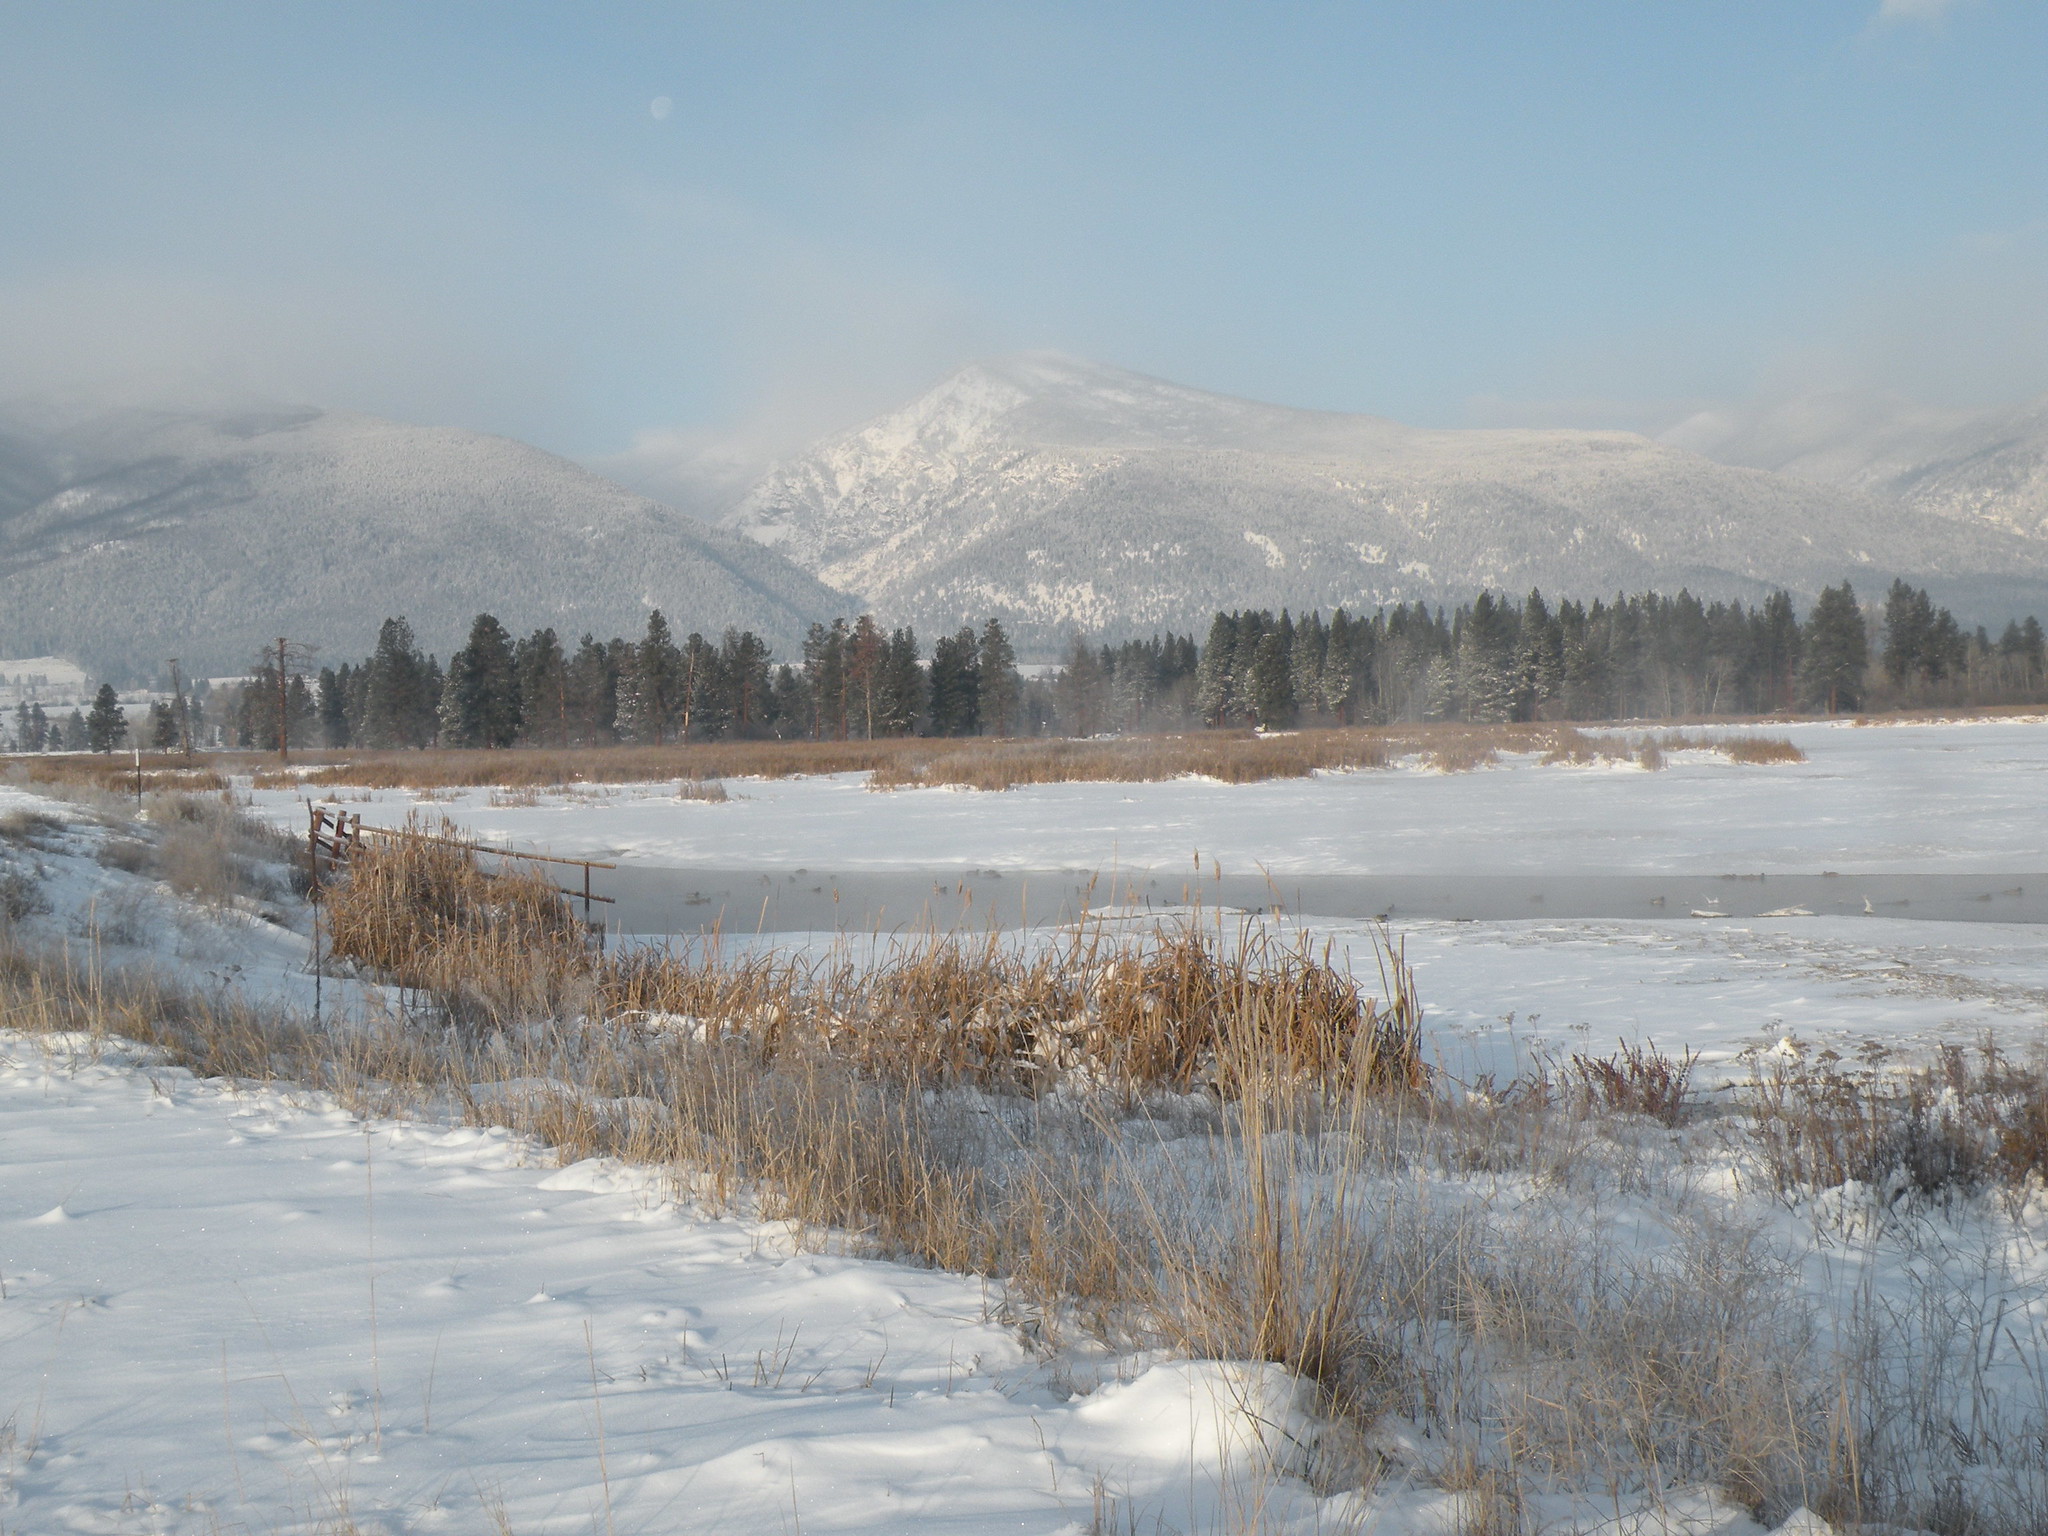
1927, 12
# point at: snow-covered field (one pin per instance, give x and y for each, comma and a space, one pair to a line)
1892, 799
1964, 797
247, 1310
229, 1308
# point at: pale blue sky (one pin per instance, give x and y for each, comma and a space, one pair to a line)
1443, 212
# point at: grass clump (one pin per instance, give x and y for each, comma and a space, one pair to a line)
1638, 1079
1970, 1121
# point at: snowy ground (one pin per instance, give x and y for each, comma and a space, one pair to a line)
1963, 797
249, 1311
1896, 799
187, 1271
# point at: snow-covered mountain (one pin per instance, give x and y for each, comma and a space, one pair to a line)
1065, 495
129, 537
1988, 467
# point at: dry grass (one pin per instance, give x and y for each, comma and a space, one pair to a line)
114, 773
1638, 1079
1759, 749
1232, 757
1970, 1121
545, 768
1173, 1012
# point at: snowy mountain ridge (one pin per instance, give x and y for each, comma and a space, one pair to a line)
1988, 467
132, 535
1062, 494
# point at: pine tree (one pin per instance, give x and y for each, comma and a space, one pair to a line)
107, 726
1836, 651
825, 679
593, 692
1778, 647
650, 690
163, 726
332, 705
1215, 697
1272, 680
867, 649
543, 673
1000, 686
400, 692
904, 684
480, 704
955, 702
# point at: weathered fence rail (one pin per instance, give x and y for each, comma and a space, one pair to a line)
334, 836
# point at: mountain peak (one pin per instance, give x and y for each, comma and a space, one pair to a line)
1060, 494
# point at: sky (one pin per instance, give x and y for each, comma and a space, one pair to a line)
632, 233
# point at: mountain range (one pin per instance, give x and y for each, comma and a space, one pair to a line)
1065, 495
132, 536
1056, 494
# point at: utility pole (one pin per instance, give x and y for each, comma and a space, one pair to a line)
283, 658
184, 713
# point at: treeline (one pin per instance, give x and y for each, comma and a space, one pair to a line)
1645, 656
1493, 659
853, 680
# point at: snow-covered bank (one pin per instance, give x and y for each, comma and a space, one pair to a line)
248, 1310
1900, 798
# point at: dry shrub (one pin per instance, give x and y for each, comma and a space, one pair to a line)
1638, 1079
1759, 749
21, 895
490, 947
551, 767
28, 828
1700, 1367
114, 773
1649, 756
711, 791
1230, 756
1461, 757
207, 849
1567, 744
1971, 1120
939, 1009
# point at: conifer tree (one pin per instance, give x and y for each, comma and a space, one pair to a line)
650, 690
107, 726
1271, 692
543, 673
331, 702
1836, 651
401, 692
1000, 687
480, 705
955, 702
1214, 695
904, 684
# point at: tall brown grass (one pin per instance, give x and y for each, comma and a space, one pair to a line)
1232, 757
1173, 1011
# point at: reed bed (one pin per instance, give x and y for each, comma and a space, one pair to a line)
1231, 757
1173, 1011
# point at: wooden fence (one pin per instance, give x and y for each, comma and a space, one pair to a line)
333, 837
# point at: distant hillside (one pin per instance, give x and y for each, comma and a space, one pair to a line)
1982, 467
130, 537
1065, 495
